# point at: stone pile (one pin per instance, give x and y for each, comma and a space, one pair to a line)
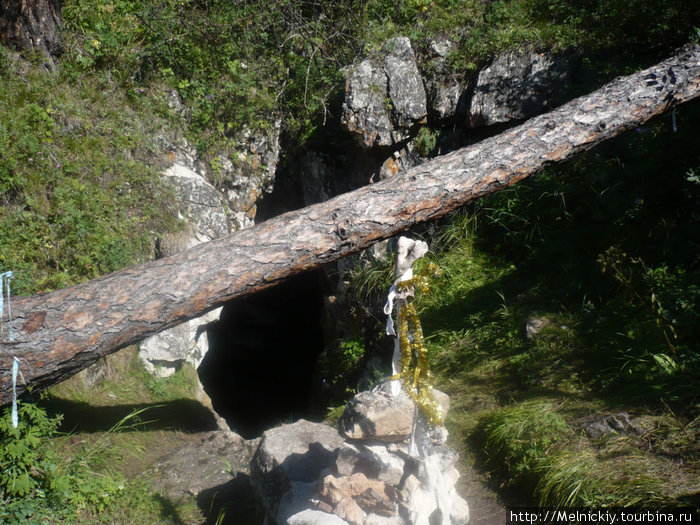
309, 473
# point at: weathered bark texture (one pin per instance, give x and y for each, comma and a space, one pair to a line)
60, 333
31, 25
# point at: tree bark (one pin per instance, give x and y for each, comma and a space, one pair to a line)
59, 333
31, 25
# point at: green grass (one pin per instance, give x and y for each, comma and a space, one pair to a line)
92, 464
79, 188
600, 250
79, 197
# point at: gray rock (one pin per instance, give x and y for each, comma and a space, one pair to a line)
175, 103
386, 466
99, 371
294, 453
176, 147
444, 98
384, 99
298, 497
166, 352
366, 111
199, 202
348, 458
406, 90
204, 209
246, 172
519, 85
534, 326
220, 462
418, 503
378, 415
445, 90
602, 426
459, 512
315, 517
376, 519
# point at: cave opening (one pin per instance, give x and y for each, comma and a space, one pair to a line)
259, 370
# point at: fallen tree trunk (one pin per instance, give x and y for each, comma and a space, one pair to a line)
60, 333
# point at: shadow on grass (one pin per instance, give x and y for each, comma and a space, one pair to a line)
231, 504
185, 415
168, 510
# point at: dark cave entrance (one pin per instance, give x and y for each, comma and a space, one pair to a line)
259, 370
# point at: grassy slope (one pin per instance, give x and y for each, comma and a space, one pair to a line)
79, 188
79, 198
93, 464
604, 250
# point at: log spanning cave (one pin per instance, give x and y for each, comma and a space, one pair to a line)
262, 354
60, 333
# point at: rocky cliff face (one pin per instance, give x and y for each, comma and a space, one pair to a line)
214, 197
398, 106
519, 85
384, 98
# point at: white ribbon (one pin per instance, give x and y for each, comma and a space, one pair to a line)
389, 308
394, 294
5, 282
15, 370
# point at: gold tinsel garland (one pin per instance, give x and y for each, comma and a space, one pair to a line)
415, 370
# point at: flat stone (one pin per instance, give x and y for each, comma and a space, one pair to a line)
377, 415
315, 517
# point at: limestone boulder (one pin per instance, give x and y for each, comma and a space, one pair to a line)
288, 464
378, 415
518, 85
215, 470
385, 97
198, 202
242, 175
166, 352
204, 210
246, 171
445, 90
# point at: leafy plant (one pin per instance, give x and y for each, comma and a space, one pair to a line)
425, 141
36, 485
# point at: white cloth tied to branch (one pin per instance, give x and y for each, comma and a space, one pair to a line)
408, 251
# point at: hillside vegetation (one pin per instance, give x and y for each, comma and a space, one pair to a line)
602, 253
